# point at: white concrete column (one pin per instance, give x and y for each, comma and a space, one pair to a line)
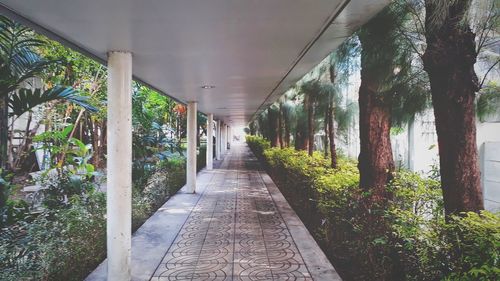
218, 141
222, 138
119, 165
191, 147
225, 138
210, 142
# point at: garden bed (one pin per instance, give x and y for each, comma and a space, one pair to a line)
411, 241
68, 243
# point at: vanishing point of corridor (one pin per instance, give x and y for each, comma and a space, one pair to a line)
240, 228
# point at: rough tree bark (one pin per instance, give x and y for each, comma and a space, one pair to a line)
273, 126
331, 137
331, 125
376, 164
449, 60
301, 134
280, 125
286, 127
326, 128
310, 125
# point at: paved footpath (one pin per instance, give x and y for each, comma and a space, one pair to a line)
237, 227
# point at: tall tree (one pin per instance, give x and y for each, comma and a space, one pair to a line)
301, 133
311, 90
385, 66
328, 100
280, 124
342, 64
449, 61
288, 114
273, 119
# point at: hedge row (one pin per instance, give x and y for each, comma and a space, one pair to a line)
414, 242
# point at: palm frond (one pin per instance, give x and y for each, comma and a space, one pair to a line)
18, 59
26, 99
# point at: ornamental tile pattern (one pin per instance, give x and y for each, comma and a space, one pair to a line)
235, 232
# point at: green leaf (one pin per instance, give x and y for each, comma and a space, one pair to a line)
26, 99
66, 131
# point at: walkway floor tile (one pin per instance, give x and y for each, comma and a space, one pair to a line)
240, 228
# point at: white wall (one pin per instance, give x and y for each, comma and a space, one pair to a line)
425, 151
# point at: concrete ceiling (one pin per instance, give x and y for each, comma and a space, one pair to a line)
250, 50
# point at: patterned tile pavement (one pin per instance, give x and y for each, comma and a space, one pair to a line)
235, 232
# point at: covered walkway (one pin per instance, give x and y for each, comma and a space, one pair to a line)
237, 227
229, 60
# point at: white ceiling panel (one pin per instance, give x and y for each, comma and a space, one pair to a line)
250, 50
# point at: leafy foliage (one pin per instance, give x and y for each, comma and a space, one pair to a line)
419, 243
67, 243
26, 99
488, 101
258, 145
18, 60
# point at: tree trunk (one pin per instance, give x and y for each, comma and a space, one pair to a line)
4, 131
103, 143
198, 135
95, 143
24, 149
376, 163
331, 125
310, 125
331, 137
286, 127
280, 126
449, 60
301, 136
327, 130
272, 119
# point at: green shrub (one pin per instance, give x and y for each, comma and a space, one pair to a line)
168, 178
258, 145
59, 244
466, 247
11, 210
416, 242
201, 158
67, 243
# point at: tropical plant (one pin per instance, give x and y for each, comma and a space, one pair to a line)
26, 99
20, 61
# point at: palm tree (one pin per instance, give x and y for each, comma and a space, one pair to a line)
18, 63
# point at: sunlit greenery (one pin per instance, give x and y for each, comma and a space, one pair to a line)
419, 244
58, 231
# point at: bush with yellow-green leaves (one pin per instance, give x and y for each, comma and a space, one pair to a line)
417, 242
